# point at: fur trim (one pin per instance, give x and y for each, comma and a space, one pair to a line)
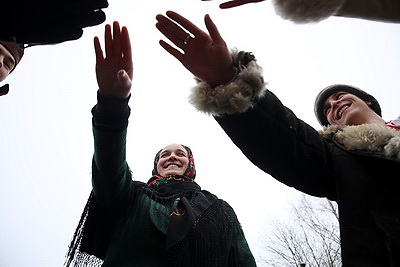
234, 97
305, 11
372, 137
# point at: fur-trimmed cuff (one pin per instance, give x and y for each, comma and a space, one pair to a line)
237, 96
305, 11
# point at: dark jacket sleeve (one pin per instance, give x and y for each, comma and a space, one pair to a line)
111, 176
379, 10
49, 22
279, 143
307, 11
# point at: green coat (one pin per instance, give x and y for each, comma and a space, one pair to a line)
127, 223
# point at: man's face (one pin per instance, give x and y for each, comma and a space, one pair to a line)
7, 62
342, 108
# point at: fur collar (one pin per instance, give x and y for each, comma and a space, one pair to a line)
371, 137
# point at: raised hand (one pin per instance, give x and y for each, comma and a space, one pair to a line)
235, 3
204, 55
114, 71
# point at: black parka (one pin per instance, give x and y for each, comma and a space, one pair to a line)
365, 184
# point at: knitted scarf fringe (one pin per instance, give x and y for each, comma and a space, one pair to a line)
82, 259
205, 243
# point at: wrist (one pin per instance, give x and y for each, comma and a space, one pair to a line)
226, 78
110, 113
236, 96
111, 101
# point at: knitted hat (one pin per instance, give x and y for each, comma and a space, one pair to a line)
328, 91
16, 50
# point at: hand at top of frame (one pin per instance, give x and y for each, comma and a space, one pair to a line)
235, 3
114, 71
205, 55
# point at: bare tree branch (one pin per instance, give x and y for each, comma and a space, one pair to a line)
311, 237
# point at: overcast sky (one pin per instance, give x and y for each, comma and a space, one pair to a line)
46, 138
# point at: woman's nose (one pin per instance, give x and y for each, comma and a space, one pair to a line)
172, 157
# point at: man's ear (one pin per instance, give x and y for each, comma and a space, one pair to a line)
369, 104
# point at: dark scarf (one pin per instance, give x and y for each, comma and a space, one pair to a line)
200, 233
201, 229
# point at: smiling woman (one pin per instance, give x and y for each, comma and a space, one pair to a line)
46, 137
175, 162
170, 214
169, 221
173, 159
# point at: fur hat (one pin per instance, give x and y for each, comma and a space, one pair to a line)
16, 50
328, 91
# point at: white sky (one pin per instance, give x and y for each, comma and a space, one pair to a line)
46, 139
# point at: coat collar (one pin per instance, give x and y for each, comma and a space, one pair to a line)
368, 137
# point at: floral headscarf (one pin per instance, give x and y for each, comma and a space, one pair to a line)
190, 172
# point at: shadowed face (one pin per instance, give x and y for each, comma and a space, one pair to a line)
7, 62
342, 108
174, 160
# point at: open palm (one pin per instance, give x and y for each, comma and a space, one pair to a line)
114, 71
204, 55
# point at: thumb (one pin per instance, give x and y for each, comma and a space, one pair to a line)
123, 76
124, 82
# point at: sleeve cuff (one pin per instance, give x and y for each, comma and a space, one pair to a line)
238, 95
111, 113
306, 11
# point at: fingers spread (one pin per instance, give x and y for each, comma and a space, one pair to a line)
175, 52
116, 39
108, 40
185, 23
126, 43
97, 49
213, 30
170, 26
169, 30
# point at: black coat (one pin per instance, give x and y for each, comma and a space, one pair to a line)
42, 22
365, 184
